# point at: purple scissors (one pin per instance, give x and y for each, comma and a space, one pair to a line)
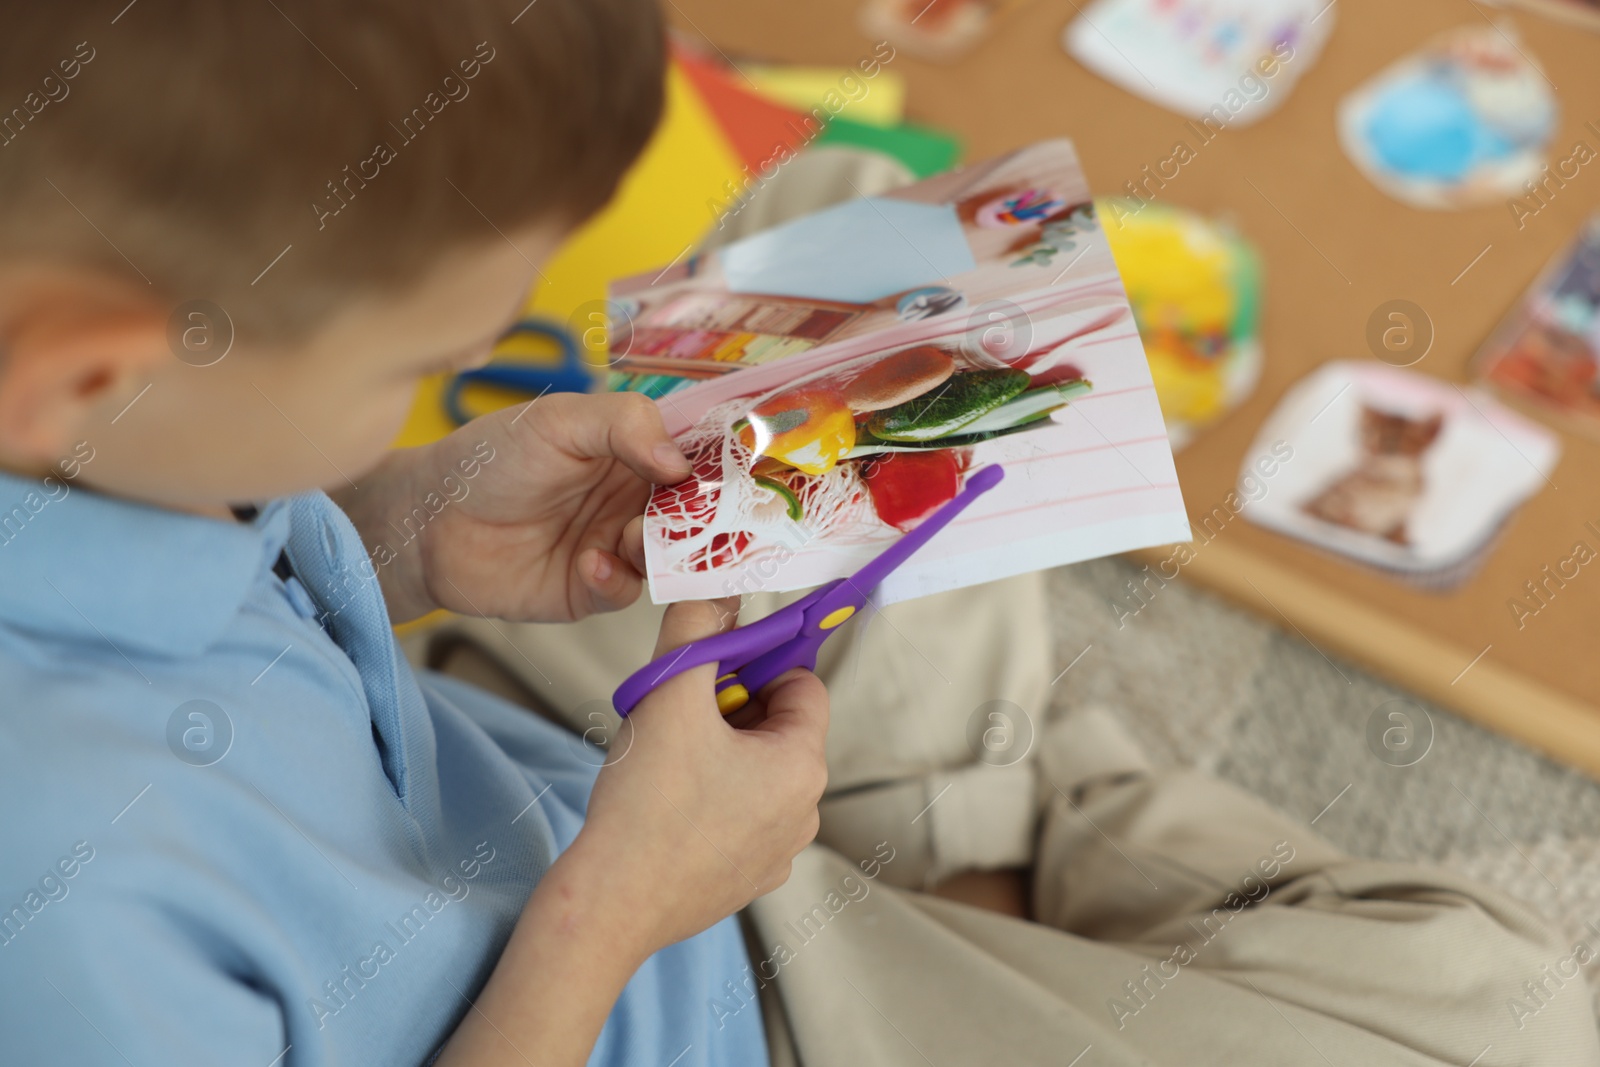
751, 656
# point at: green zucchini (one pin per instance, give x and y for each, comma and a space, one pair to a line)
1023, 408
1020, 413
960, 401
959, 440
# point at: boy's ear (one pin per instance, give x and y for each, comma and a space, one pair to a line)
71, 352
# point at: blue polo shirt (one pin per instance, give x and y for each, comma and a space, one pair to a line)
240, 829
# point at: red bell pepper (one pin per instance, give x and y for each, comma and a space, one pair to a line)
907, 487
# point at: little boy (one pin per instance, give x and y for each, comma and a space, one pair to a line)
242, 830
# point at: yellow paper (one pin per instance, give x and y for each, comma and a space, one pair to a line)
879, 100
664, 206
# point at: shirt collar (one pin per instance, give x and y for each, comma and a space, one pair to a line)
76, 563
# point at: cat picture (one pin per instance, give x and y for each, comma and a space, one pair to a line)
1378, 495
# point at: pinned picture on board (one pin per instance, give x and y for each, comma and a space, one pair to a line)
940, 30
1546, 355
1195, 287
1400, 471
1217, 62
1463, 122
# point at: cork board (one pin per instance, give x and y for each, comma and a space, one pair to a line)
1334, 249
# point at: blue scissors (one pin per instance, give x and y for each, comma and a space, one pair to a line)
751, 656
571, 375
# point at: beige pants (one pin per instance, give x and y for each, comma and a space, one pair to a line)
1179, 921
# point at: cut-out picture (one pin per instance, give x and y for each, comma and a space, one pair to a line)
1195, 287
1220, 63
933, 29
1404, 472
1547, 352
1378, 496
1462, 122
808, 465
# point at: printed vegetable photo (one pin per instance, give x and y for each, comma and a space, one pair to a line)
883, 443
813, 449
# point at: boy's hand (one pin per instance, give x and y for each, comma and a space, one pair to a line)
689, 821
546, 528
692, 819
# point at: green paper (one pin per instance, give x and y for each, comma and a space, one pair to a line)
924, 151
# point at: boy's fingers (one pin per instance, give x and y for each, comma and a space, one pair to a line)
691, 620
797, 710
625, 426
684, 622
632, 545
612, 583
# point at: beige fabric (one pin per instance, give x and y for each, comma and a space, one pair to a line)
1188, 924
1350, 963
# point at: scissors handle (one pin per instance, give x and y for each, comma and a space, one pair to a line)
570, 375
819, 616
731, 650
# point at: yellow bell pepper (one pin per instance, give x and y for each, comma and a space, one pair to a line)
809, 430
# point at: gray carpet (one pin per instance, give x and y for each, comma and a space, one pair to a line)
1200, 682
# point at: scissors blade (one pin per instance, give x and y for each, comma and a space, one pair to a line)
865, 580
832, 605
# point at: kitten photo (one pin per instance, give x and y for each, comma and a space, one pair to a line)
1377, 496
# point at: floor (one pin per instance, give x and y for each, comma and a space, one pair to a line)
1201, 682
